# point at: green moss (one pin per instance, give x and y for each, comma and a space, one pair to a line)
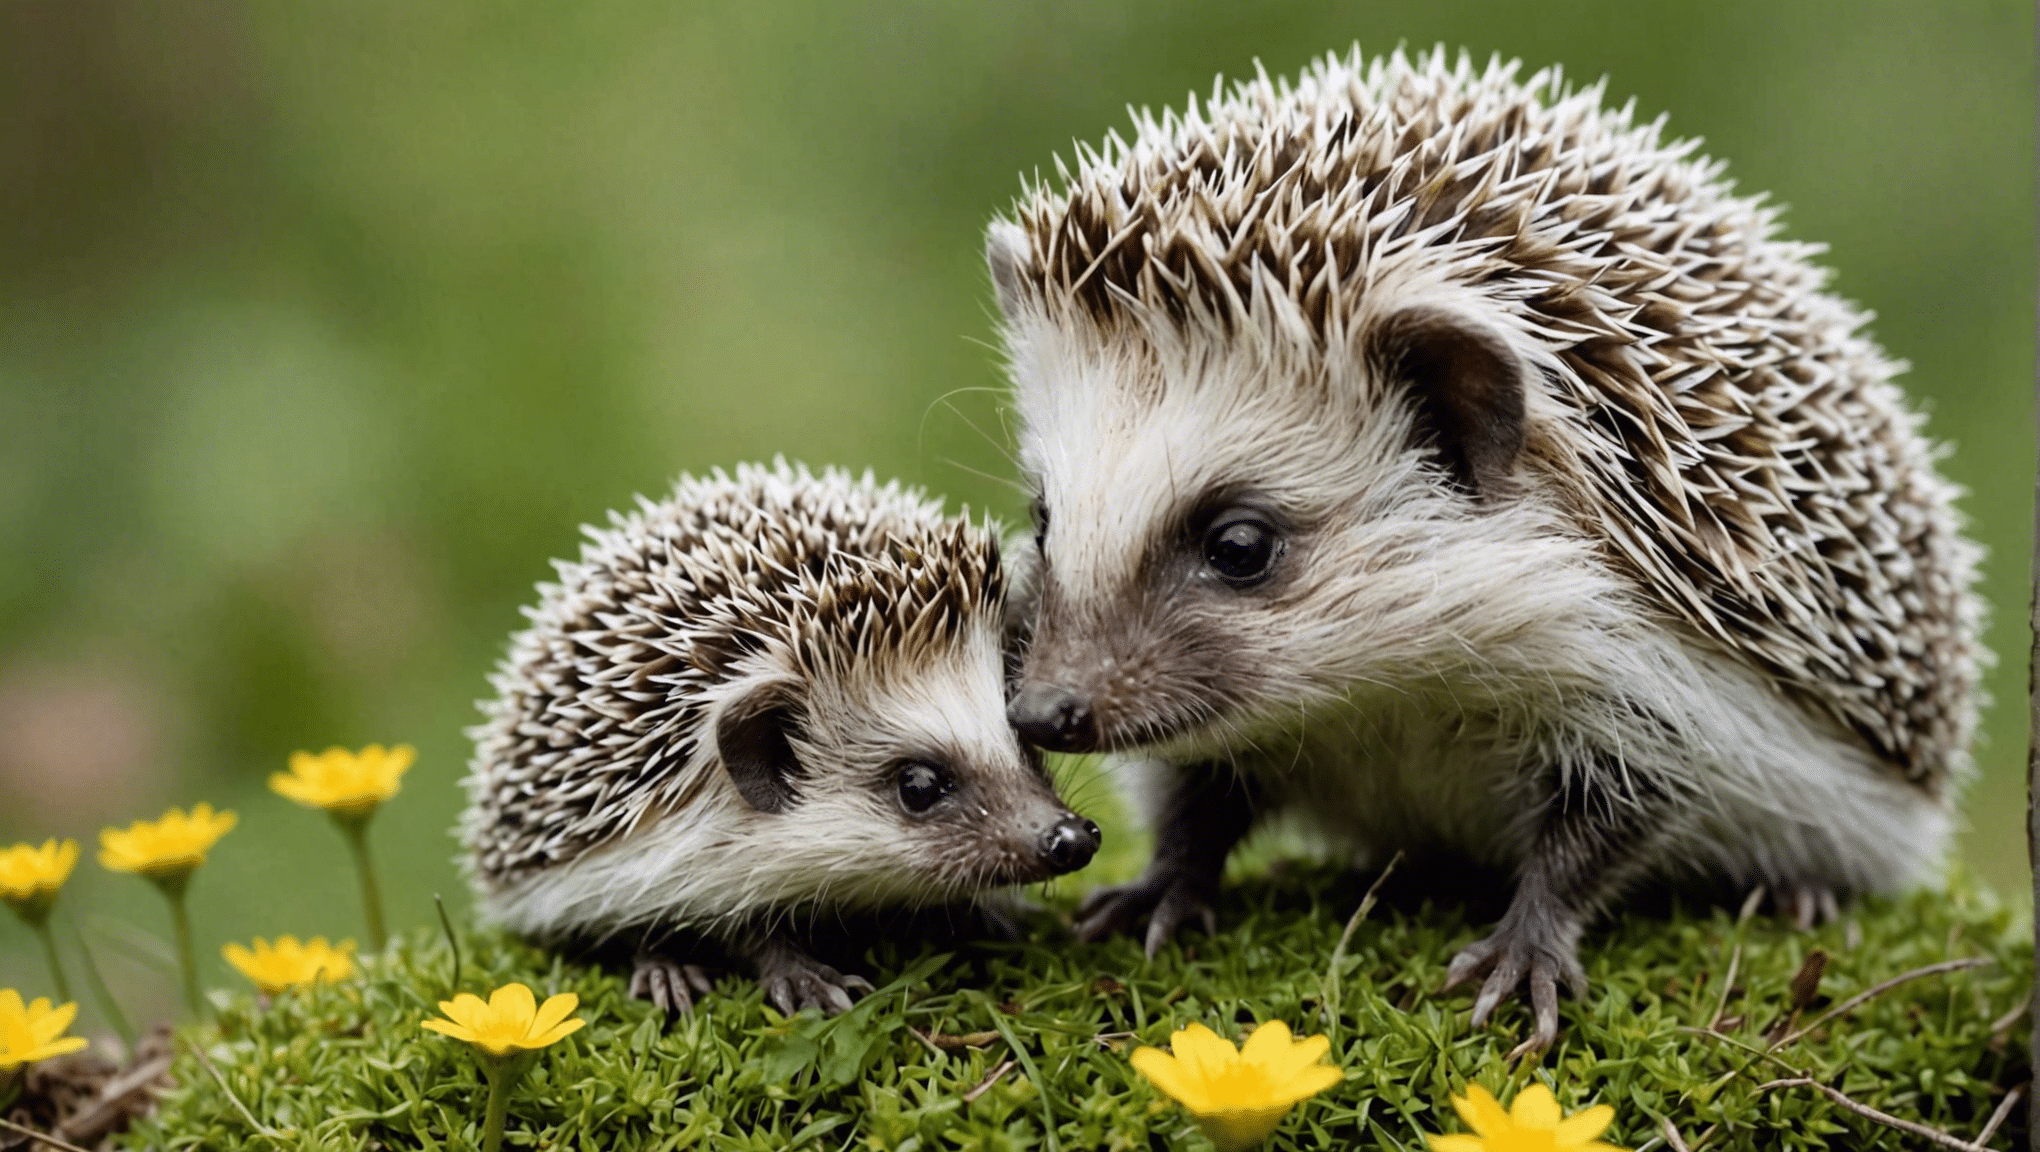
349, 1067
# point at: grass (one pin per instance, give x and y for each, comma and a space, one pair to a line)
348, 1067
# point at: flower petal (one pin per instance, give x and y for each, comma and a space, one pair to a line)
554, 1035
1535, 1108
1297, 1057
1584, 1125
513, 1006
554, 1010
1169, 1074
1481, 1111
449, 1028
466, 1009
1204, 1053
1267, 1043
60, 1047
46, 1025
1305, 1084
1456, 1143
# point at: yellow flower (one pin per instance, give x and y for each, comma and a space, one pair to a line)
288, 963
343, 782
163, 848
1238, 1097
29, 874
511, 1021
1533, 1124
34, 1031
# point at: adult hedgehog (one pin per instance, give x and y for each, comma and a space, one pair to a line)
1454, 461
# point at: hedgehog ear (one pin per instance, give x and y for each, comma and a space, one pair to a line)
753, 735
1006, 252
1468, 384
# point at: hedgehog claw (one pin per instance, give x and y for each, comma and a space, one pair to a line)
1521, 949
1169, 899
793, 980
1808, 906
668, 983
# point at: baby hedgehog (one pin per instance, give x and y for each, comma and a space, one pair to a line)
766, 696
1460, 464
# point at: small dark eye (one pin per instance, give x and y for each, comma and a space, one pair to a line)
1038, 512
1241, 546
921, 785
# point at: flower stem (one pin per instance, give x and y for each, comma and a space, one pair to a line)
174, 892
356, 830
96, 984
499, 1077
49, 944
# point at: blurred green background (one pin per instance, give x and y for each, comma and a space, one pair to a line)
324, 326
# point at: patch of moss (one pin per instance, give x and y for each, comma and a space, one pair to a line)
348, 1067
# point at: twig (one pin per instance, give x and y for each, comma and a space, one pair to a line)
1875, 990
259, 1126
2004, 1110
1934, 1135
110, 1108
947, 1043
32, 1134
2003, 1024
985, 1085
1331, 1005
1673, 1140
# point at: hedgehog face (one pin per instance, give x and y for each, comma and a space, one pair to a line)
1227, 533
893, 778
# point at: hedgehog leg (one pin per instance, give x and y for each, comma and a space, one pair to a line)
1592, 835
667, 982
1207, 809
794, 980
1808, 905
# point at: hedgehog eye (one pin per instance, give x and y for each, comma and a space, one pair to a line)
922, 784
1241, 546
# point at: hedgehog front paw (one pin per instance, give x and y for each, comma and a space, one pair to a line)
667, 982
1534, 947
1168, 897
794, 980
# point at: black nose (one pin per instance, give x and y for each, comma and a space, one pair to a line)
1053, 717
1070, 844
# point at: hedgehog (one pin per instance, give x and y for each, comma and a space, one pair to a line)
769, 696
1457, 463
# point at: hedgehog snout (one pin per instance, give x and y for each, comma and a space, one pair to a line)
1069, 844
1054, 717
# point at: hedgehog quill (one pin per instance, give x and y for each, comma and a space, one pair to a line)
769, 696
1450, 459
